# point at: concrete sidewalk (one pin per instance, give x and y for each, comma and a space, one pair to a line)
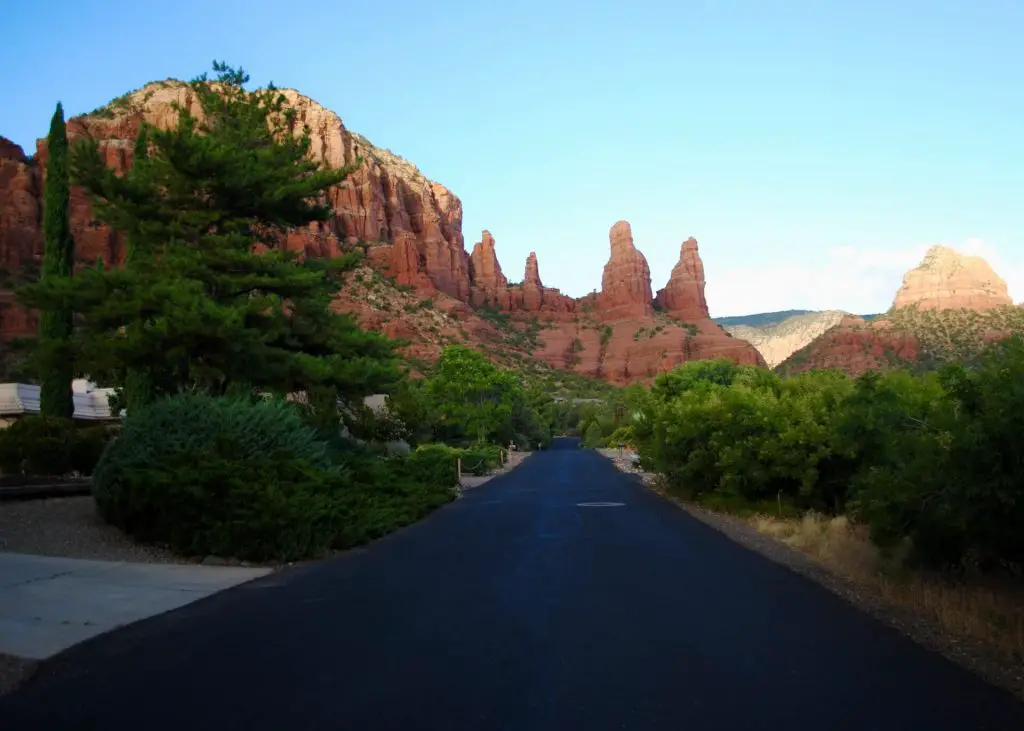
48, 604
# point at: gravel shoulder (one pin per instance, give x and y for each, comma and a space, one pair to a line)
70, 527
515, 459
976, 656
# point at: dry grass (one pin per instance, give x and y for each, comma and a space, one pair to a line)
986, 610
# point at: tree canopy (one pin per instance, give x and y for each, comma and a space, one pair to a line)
209, 298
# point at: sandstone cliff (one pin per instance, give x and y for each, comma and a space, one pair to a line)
946, 279
683, 296
387, 201
411, 230
779, 340
618, 335
488, 283
854, 346
21, 238
626, 280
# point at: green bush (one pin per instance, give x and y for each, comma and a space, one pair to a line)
51, 446
185, 464
481, 459
593, 436
438, 463
955, 487
624, 435
434, 464
383, 495
929, 460
249, 479
215, 503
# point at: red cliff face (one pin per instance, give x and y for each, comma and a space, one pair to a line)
854, 346
532, 288
488, 283
387, 201
21, 238
683, 296
411, 228
534, 298
626, 281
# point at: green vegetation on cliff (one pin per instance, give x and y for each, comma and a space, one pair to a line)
955, 335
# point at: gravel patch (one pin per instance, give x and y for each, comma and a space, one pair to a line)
13, 670
974, 655
70, 527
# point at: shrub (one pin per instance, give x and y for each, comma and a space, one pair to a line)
481, 459
382, 495
88, 447
215, 503
51, 446
593, 436
624, 435
203, 451
249, 479
927, 461
434, 464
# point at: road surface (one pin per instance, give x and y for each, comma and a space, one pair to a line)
517, 609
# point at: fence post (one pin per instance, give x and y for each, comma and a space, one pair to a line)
458, 470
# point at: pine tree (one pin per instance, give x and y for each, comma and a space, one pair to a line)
210, 300
56, 324
137, 390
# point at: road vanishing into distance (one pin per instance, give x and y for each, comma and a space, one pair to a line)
518, 608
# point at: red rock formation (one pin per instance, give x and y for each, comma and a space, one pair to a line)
946, 279
854, 346
488, 283
947, 283
626, 281
637, 349
21, 238
386, 200
683, 296
532, 287
532, 273
411, 228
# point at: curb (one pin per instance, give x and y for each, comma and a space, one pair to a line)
42, 492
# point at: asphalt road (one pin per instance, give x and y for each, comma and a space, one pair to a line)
515, 609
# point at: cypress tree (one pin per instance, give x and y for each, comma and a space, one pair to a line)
55, 325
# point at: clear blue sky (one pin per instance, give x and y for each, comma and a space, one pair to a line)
813, 147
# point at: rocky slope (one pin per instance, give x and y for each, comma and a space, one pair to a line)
21, 240
948, 309
411, 231
779, 340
